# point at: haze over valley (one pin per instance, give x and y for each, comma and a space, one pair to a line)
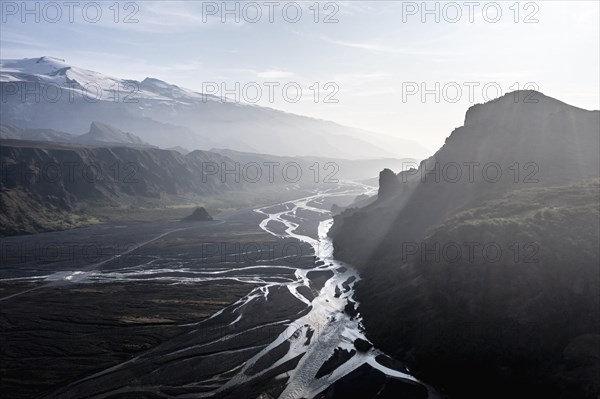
297, 200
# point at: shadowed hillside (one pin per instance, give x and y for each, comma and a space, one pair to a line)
44, 184
495, 278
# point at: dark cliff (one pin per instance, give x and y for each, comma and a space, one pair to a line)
489, 276
503, 146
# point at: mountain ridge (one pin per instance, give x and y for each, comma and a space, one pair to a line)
545, 150
102, 133
167, 115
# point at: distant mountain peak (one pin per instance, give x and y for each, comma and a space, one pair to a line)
101, 128
168, 115
13, 69
515, 104
156, 82
47, 58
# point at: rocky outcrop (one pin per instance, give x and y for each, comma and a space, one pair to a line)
388, 184
103, 134
199, 215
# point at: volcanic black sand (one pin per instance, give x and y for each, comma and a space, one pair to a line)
220, 309
89, 309
58, 334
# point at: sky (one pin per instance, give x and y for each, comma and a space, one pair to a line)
409, 69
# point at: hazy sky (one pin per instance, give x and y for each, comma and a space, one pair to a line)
376, 53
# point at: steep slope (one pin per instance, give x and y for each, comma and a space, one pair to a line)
496, 278
504, 145
70, 98
43, 185
524, 325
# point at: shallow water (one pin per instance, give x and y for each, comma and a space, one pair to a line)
279, 335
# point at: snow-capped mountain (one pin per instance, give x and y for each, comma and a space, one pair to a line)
93, 85
49, 93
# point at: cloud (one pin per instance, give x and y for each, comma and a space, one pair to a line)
274, 74
361, 76
364, 46
162, 17
383, 48
20, 40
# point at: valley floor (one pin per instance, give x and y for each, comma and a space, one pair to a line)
236, 307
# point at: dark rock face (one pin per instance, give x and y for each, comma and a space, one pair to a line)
199, 215
516, 326
388, 184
